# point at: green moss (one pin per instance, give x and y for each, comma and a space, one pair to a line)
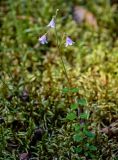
33, 88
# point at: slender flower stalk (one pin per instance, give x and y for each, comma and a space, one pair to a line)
59, 50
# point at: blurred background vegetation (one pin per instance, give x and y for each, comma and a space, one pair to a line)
33, 106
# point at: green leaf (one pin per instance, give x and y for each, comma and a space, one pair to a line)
77, 128
89, 134
84, 116
65, 90
87, 145
78, 149
74, 106
74, 90
82, 102
77, 138
71, 116
92, 148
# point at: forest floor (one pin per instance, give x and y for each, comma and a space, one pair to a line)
54, 110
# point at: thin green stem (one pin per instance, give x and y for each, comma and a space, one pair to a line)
59, 50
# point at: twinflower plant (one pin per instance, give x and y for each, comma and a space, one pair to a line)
68, 42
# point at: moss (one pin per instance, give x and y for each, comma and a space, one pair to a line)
32, 95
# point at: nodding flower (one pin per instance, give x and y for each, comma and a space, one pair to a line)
52, 23
69, 41
43, 39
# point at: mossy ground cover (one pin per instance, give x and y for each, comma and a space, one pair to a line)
37, 113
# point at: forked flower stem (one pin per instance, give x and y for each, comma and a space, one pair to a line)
62, 61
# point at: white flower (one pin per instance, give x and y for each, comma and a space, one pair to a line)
43, 39
52, 23
69, 42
